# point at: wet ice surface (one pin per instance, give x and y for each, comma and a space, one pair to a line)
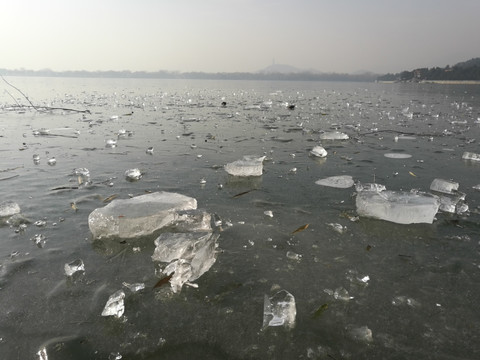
364, 288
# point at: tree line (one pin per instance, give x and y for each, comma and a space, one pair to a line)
468, 70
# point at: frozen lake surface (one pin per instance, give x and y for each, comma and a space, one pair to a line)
361, 288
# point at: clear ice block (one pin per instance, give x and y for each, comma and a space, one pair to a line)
248, 166
398, 207
279, 310
138, 216
444, 186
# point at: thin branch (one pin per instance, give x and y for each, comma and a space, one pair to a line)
37, 108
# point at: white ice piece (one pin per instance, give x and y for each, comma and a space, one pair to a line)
341, 181
334, 135
74, 267
9, 208
397, 155
279, 310
318, 151
470, 156
248, 166
398, 207
133, 174
138, 216
115, 305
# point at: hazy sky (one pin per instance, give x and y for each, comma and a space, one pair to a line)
237, 35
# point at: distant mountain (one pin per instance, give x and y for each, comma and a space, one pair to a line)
469, 63
280, 69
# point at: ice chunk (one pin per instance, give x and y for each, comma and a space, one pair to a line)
115, 306
189, 255
9, 208
192, 220
133, 174
470, 156
279, 310
318, 151
397, 155
139, 216
453, 204
134, 287
248, 166
363, 333
369, 187
74, 267
398, 207
83, 175
444, 186
334, 135
341, 181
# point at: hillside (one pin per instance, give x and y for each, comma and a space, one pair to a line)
462, 71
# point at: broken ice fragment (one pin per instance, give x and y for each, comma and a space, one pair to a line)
363, 333
279, 310
397, 156
248, 166
444, 186
115, 305
133, 174
139, 216
134, 287
9, 208
318, 151
74, 267
110, 143
470, 156
342, 294
334, 135
341, 182
189, 255
398, 206
52, 161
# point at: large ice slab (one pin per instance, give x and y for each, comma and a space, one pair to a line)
398, 206
188, 255
138, 216
247, 166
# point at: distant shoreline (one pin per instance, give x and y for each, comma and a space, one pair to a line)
442, 82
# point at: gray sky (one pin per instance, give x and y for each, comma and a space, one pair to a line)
237, 35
